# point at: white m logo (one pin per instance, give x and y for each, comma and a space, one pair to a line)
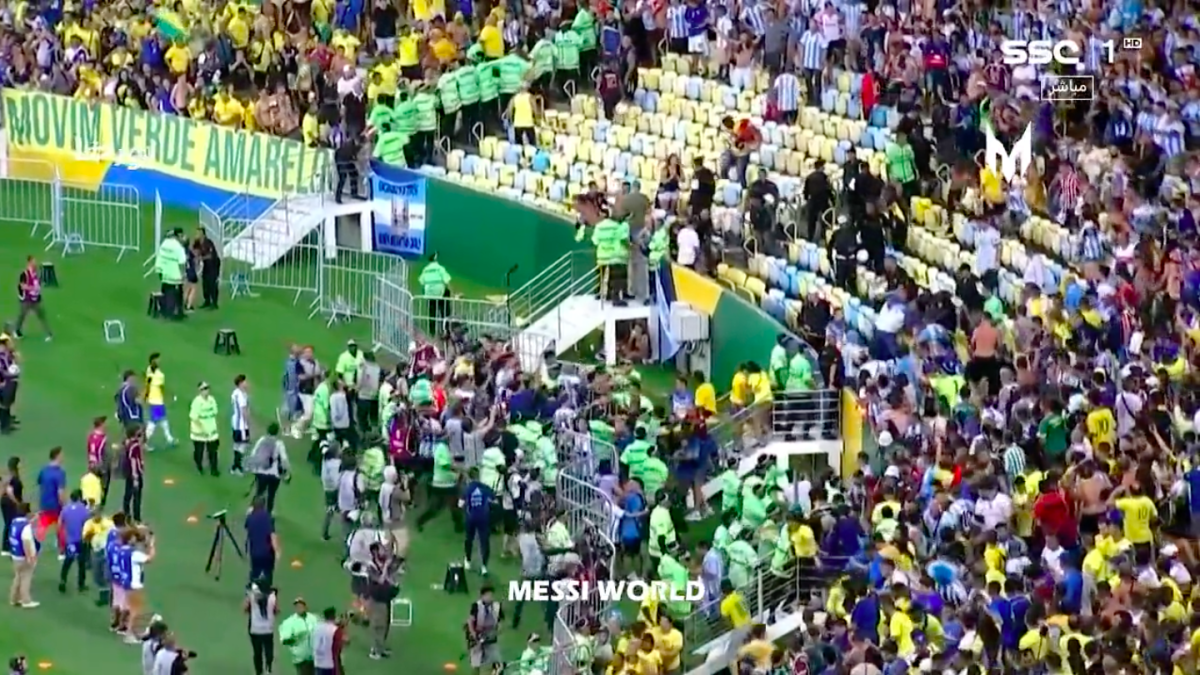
1008, 165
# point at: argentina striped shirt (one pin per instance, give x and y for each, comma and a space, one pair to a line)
752, 16
677, 28
1169, 136
787, 92
852, 12
812, 50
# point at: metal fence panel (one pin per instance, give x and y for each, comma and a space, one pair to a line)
298, 272
27, 194
349, 281
392, 326
108, 216
474, 318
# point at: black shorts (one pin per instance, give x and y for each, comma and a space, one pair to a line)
631, 546
509, 521
1089, 523
241, 437
331, 499
677, 45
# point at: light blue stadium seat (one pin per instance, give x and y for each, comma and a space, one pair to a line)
773, 304
468, 165
600, 133
635, 144
893, 118
731, 195
767, 157
776, 276
639, 98
541, 162
692, 89
811, 257
793, 281
729, 99
839, 152
854, 108
856, 81
829, 99
494, 172
651, 102
879, 116
512, 156
558, 190
623, 161
519, 182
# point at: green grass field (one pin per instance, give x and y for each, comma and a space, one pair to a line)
68, 381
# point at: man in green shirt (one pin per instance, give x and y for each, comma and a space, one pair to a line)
662, 527
779, 362
584, 27
404, 117
170, 263
488, 75
204, 433
320, 421
611, 239
542, 56
426, 101
634, 455
443, 489
467, 80
566, 58
296, 633
902, 165
1052, 431
435, 286
449, 103
390, 144
513, 68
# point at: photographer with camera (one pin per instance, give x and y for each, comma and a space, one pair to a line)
151, 643
483, 631
270, 465
381, 591
359, 556
170, 659
262, 609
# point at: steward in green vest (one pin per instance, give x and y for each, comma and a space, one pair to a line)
659, 247
513, 69
584, 26
542, 56
468, 95
405, 115
389, 145
449, 102
611, 239
488, 75
566, 58
425, 100
435, 285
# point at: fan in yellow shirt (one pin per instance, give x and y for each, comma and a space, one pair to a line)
669, 642
347, 44
733, 606
739, 388
1138, 514
178, 58
93, 488
227, 110
491, 39
706, 394
759, 648
385, 76
238, 29
1100, 423
650, 661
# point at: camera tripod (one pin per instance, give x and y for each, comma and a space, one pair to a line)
217, 552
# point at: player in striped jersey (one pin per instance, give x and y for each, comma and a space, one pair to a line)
239, 403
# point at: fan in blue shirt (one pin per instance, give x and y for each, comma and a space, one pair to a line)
476, 503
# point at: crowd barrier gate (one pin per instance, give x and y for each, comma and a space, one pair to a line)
69, 216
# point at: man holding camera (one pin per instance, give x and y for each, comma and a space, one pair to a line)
483, 629
381, 591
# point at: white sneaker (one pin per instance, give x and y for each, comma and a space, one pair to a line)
483, 571
30, 605
375, 656
156, 618
693, 516
61, 557
466, 565
133, 640
6, 554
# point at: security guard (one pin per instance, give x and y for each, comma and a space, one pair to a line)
843, 247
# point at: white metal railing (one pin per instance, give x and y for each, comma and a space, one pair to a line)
573, 274
807, 415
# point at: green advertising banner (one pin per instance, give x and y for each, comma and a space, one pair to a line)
481, 237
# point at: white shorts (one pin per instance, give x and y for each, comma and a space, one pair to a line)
306, 404
386, 45
118, 597
698, 44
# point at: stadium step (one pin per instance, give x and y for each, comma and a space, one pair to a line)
270, 236
573, 319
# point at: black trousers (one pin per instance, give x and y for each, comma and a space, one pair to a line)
262, 569
78, 555
438, 499
210, 283
171, 305
266, 486
263, 647
10, 514
347, 174
202, 450
131, 503
613, 280
478, 530
439, 310
368, 415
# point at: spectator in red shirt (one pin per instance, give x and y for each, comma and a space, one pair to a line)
744, 138
1053, 514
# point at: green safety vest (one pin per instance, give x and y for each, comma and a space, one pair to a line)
799, 374
405, 113
778, 365
389, 147
468, 85
543, 57
426, 105
512, 73
433, 280
658, 246
447, 86
584, 26
611, 239
489, 85
566, 50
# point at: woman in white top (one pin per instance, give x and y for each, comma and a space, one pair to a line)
135, 596
262, 609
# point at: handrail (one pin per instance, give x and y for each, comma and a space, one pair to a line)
573, 274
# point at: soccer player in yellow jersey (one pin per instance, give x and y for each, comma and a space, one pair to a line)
1100, 422
156, 398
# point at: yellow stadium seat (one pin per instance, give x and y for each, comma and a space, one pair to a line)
756, 287
454, 160
762, 81
736, 278
650, 78
487, 147
596, 155
843, 83
508, 175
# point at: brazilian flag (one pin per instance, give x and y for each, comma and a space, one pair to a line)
171, 25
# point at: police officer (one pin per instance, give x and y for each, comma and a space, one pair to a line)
817, 196
843, 247
345, 158
762, 196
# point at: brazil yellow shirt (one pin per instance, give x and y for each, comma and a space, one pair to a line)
96, 532
1102, 427
178, 59
733, 608
1137, 514
492, 41
739, 389
92, 488
156, 383
409, 48
900, 628
706, 398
